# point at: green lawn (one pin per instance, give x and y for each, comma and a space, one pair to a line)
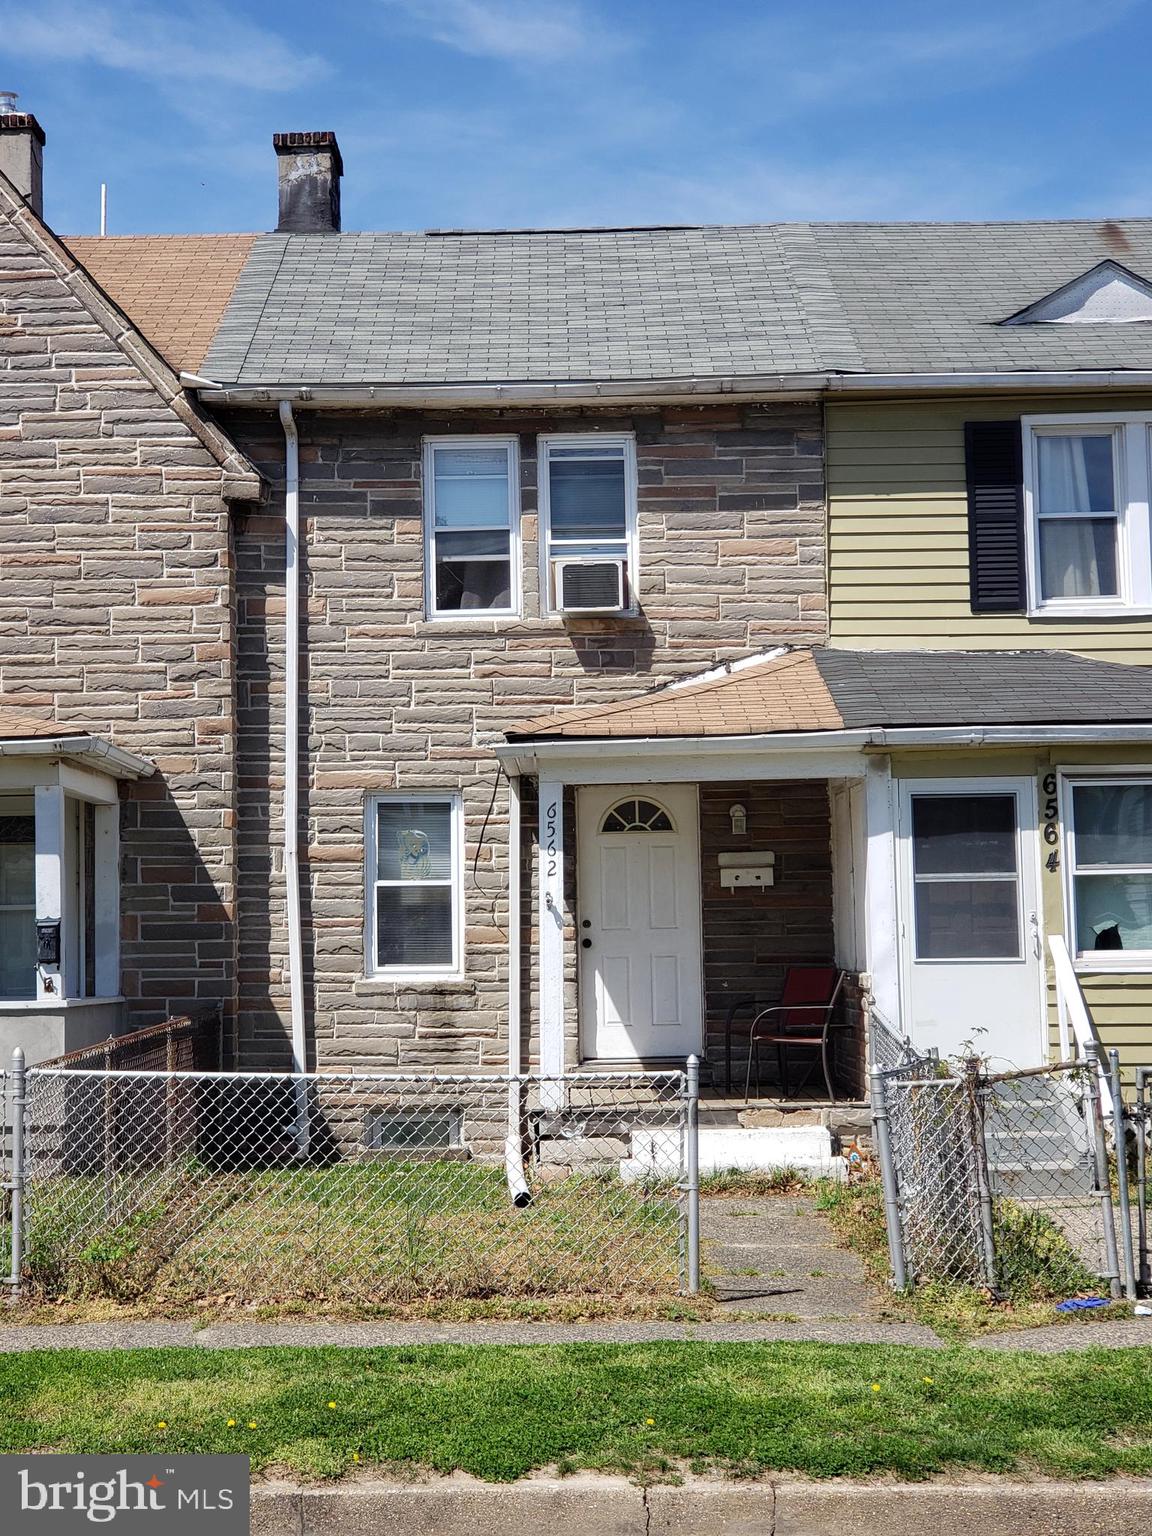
499, 1413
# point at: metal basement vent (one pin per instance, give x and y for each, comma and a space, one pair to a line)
590, 586
400, 1130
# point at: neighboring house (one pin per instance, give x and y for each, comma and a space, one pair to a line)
550, 505
117, 653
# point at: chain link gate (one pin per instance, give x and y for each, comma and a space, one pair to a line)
356, 1186
1001, 1181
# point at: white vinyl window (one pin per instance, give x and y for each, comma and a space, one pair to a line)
588, 505
1086, 493
415, 907
471, 526
1108, 833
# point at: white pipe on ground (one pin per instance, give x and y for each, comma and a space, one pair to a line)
292, 758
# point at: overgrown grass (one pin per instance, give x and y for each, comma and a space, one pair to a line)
1038, 1267
378, 1232
647, 1410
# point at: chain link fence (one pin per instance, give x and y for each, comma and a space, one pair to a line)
353, 1187
1003, 1181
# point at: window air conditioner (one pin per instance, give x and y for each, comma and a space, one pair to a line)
589, 586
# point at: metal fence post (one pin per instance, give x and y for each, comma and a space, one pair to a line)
1120, 1135
983, 1181
882, 1135
1095, 1117
692, 1171
15, 1185
1144, 1269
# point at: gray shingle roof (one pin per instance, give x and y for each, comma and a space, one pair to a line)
927, 688
618, 305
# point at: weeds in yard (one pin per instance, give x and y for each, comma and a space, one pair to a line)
755, 1183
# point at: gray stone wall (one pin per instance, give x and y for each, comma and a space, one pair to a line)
116, 605
731, 530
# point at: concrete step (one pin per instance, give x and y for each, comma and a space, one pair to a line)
807, 1149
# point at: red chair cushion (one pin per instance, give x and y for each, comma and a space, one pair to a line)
812, 984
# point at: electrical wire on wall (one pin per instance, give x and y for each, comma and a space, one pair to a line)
492, 892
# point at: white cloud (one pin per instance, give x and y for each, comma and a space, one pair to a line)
205, 45
873, 62
539, 31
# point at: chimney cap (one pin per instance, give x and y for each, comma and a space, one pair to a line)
322, 139
12, 120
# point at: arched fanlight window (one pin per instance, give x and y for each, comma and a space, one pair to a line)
637, 816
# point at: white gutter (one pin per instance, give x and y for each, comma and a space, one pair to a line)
1018, 379
93, 751
806, 386
518, 1190
783, 386
292, 753
560, 748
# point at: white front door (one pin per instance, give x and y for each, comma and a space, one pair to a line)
970, 932
638, 923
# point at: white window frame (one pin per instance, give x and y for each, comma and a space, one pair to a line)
616, 441
511, 445
1110, 960
1132, 470
454, 971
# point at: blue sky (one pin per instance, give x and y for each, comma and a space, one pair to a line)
545, 112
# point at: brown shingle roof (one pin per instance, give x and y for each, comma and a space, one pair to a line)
831, 690
786, 693
16, 724
173, 287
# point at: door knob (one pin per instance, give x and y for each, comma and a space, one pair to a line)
586, 943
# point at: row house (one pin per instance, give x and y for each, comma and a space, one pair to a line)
528, 646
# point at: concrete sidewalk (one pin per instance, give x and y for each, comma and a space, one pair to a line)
587, 1505
17, 1337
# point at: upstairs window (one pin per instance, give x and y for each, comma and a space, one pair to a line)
471, 518
1086, 494
588, 506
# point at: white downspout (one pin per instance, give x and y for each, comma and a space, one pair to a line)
292, 756
518, 1190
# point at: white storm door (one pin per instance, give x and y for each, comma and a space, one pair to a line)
970, 931
638, 924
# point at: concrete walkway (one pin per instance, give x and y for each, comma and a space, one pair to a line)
779, 1258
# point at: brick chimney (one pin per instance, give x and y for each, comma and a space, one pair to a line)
309, 170
22, 151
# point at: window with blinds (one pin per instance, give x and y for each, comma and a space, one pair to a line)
414, 863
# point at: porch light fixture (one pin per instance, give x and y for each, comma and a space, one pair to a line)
739, 818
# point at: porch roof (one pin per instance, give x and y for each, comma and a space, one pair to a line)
26, 734
822, 689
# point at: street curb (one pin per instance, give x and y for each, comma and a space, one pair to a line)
589, 1505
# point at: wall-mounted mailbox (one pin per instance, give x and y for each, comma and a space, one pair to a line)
747, 871
48, 944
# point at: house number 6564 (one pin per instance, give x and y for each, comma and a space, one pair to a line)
1051, 818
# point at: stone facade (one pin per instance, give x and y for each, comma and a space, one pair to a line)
731, 533
116, 599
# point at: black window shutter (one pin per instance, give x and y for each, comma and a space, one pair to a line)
995, 473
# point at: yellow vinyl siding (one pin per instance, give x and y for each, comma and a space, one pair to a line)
1120, 1002
898, 531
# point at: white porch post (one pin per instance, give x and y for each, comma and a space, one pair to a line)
51, 906
550, 1004
107, 900
881, 928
